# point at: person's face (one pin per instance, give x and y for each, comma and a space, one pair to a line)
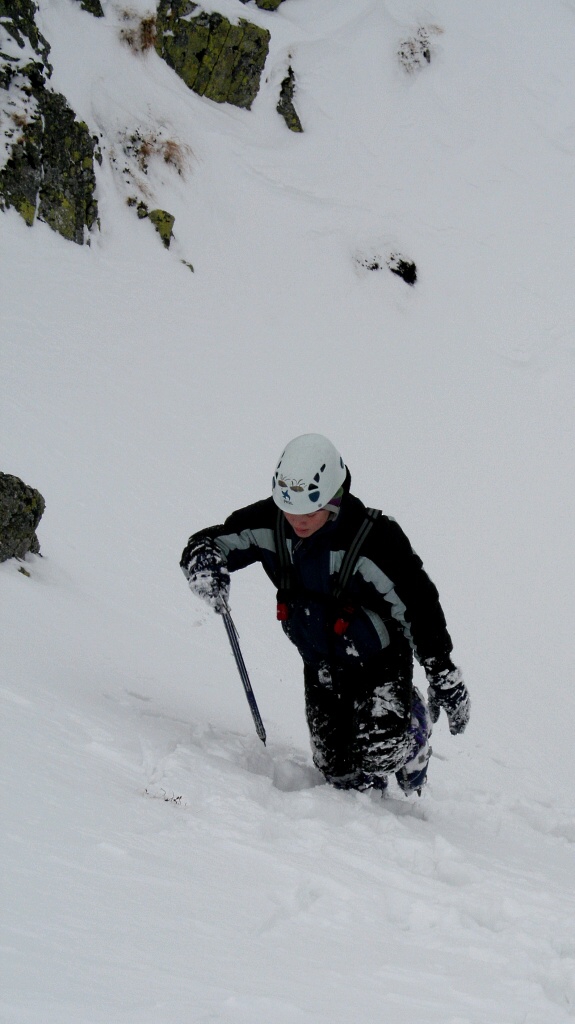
304, 526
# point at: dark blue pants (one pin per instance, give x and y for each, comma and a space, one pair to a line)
367, 721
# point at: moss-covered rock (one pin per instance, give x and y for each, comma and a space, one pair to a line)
266, 5
246, 63
92, 7
49, 173
21, 508
66, 198
163, 223
21, 178
215, 58
17, 17
285, 105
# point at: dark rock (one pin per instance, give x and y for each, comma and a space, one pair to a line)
214, 58
266, 5
21, 509
369, 261
49, 173
21, 178
285, 105
92, 7
403, 268
17, 17
66, 198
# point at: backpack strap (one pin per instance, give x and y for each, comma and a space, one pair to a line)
351, 557
285, 567
346, 609
347, 568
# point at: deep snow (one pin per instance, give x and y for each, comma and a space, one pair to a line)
159, 865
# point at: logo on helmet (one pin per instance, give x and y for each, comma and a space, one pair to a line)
298, 487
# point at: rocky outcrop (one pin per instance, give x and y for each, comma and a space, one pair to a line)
92, 7
285, 105
214, 57
266, 5
17, 18
21, 509
49, 170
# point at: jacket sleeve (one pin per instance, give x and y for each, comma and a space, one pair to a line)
396, 571
246, 536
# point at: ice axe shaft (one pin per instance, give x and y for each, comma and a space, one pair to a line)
235, 645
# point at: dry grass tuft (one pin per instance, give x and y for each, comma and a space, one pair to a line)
139, 33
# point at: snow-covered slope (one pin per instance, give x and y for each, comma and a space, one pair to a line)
160, 865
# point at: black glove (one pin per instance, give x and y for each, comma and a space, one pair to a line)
207, 574
448, 691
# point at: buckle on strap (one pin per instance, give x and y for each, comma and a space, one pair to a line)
341, 624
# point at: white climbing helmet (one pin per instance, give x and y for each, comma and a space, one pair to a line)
308, 475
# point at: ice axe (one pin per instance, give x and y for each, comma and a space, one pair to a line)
232, 632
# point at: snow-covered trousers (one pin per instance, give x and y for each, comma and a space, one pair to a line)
368, 722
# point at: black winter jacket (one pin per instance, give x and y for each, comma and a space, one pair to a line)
394, 599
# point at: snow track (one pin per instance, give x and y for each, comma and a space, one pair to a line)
171, 861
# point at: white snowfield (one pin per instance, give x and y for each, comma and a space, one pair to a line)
160, 865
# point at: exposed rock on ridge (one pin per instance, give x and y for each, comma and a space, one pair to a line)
21, 509
214, 58
93, 7
285, 105
266, 5
49, 170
